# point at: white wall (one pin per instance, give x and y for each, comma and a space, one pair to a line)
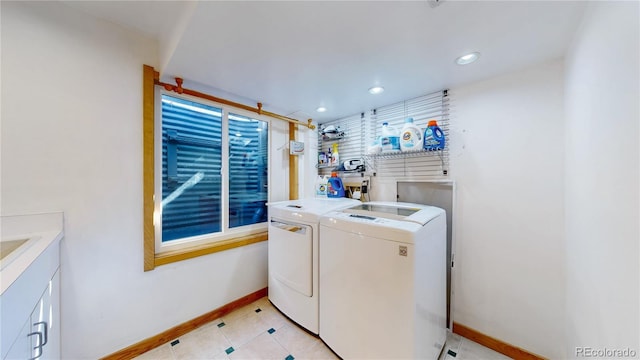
602, 92
506, 158
72, 141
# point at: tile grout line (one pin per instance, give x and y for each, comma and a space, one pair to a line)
221, 320
275, 329
458, 345
239, 345
279, 343
249, 314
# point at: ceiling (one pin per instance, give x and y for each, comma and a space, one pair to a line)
294, 56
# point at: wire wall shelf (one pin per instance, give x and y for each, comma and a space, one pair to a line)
405, 154
326, 138
364, 128
427, 163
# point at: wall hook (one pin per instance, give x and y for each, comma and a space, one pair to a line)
179, 88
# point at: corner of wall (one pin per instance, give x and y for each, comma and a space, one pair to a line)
602, 85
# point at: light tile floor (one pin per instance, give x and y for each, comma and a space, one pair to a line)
459, 348
260, 331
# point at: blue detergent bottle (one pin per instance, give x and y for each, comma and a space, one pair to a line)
433, 137
335, 186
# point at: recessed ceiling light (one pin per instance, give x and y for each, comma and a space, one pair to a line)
468, 59
376, 90
321, 109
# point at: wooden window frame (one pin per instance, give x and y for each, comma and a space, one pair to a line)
151, 257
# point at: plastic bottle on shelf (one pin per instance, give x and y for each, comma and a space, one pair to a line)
328, 157
375, 147
321, 186
335, 186
335, 157
390, 139
322, 158
410, 136
433, 137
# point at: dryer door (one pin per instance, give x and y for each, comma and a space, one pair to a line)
291, 255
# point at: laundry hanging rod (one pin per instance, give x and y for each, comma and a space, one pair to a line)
180, 90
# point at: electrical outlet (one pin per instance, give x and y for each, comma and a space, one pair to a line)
364, 188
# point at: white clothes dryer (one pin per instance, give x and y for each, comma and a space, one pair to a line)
383, 281
293, 256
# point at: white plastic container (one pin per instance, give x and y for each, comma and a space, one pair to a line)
390, 139
321, 186
410, 136
375, 147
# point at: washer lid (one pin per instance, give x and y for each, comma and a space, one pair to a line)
308, 210
410, 212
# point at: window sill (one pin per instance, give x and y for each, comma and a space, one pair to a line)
172, 256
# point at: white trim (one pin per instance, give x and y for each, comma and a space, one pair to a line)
157, 175
224, 168
226, 232
187, 242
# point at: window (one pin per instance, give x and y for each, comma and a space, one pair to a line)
213, 173
206, 169
248, 149
191, 162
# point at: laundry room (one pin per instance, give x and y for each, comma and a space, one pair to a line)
434, 179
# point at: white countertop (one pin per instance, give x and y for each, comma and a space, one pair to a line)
42, 230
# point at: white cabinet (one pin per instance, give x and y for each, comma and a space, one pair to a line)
21, 348
30, 297
52, 351
40, 335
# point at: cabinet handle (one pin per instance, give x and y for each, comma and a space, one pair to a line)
46, 332
38, 347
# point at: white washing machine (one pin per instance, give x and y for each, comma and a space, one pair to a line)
383, 281
293, 256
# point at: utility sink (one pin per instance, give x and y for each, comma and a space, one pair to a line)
7, 247
23, 238
13, 247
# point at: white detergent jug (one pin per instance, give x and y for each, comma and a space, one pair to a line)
410, 136
321, 186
